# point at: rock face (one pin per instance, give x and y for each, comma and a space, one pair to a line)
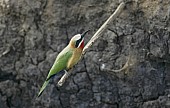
33, 32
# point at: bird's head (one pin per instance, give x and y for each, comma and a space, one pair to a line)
77, 41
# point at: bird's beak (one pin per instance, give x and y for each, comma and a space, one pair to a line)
83, 34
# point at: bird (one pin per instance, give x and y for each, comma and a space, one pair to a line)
67, 58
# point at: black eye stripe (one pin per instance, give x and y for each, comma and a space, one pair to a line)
78, 42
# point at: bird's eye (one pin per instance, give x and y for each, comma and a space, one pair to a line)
77, 43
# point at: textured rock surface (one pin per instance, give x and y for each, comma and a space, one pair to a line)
35, 31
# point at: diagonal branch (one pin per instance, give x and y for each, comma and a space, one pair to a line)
64, 77
104, 26
95, 37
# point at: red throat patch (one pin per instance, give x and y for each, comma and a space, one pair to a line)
82, 45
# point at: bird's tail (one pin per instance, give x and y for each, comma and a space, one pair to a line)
43, 87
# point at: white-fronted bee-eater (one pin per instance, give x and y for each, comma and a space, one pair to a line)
67, 58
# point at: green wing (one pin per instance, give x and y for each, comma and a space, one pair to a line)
59, 64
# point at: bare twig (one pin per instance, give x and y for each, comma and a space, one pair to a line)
64, 77
96, 36
104, 26
129, 63
6, 51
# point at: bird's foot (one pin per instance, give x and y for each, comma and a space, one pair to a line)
65, 71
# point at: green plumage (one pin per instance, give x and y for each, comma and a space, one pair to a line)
59, 65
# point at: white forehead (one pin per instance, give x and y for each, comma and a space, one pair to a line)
76, 37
